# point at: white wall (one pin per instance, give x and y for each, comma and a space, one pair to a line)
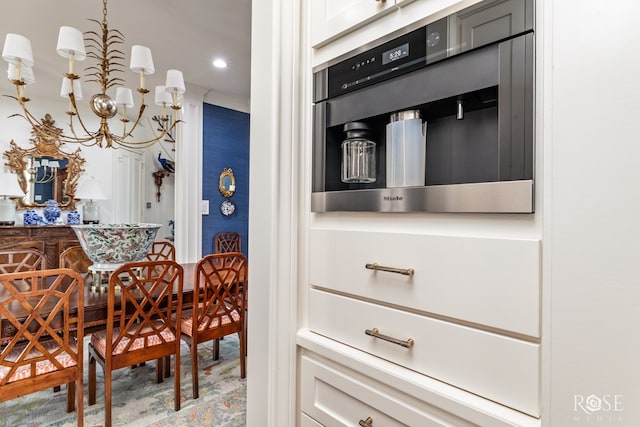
591, 235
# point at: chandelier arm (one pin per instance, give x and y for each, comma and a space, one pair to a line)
147, 143
30, 118
90, 135
75, 139
135, 124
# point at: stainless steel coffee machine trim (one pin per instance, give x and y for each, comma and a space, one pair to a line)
494, 197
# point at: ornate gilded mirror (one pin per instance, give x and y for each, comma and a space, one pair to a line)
45, 171
227, 183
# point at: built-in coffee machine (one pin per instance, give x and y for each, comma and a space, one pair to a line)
439, 119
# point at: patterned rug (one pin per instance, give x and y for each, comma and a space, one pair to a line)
139, 401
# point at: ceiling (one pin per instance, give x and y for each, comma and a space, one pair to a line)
184, 35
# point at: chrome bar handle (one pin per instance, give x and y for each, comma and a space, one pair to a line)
375, 266
366, 423
375, 332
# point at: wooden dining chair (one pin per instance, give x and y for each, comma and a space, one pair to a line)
143, 297
15, 260
227, 241
220, 291
162, 250
76, 259
40, 347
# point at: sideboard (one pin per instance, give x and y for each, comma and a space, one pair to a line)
50, 239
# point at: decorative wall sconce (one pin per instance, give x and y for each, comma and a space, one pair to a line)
158, 176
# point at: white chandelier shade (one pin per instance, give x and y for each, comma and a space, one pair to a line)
71, 44
65, 89
17, 50
141, 60
163, 98
175, 81
124, 97
26, 74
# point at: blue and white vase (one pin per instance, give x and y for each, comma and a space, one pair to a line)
31, 217
73, 218
52, 212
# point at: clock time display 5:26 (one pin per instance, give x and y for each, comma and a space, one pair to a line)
395, 54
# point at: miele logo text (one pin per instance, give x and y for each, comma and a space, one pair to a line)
392, 198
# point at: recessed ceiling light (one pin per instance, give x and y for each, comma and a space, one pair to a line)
219, 63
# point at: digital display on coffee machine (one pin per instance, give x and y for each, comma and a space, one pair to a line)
395, 57
395, 54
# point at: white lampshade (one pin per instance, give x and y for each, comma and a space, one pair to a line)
66, 88
26, 73
175, 81
9, 185
90, 189
162, 96
71, 42
17, 49
141, 60
124, 96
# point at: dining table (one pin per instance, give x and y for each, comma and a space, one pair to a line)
95, 304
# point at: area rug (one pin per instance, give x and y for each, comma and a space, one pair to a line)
139, 401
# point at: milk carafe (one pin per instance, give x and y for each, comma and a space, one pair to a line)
406, 149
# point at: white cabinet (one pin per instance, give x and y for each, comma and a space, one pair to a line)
333, 18
456, 341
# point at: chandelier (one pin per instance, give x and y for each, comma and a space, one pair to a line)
102, 48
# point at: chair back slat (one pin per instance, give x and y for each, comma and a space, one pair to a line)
16, 260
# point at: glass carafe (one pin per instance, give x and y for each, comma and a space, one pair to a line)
358, 154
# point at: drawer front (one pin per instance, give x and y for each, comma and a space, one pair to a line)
499, 368
493, 282
306, 421
334, 397
14, 231
57, 232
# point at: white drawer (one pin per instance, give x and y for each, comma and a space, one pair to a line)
335, 397
499, 368
307, 421
489, 281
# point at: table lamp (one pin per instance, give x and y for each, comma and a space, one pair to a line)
90, 190
8, 188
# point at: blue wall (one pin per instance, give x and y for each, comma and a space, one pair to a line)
225, 142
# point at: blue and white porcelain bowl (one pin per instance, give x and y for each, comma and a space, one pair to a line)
111, 245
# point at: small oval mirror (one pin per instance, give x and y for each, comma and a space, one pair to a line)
227, 183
